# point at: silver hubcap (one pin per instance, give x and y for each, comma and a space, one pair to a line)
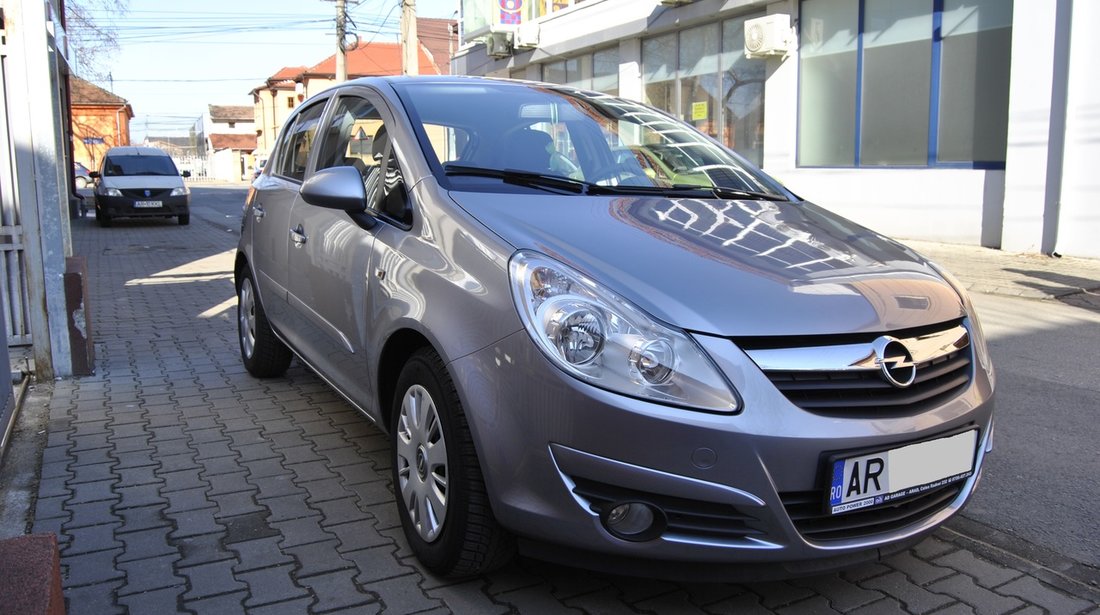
246, 318
422, 462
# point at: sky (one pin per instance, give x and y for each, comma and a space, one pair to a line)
176, 58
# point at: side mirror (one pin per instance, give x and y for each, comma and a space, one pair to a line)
94, 174
186, 174
336, 188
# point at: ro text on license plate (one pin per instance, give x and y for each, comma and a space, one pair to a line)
147, 204
878, 478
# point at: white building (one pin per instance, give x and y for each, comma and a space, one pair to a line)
230, 135
966, 121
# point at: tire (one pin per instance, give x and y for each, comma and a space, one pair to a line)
184, 219
264, 355
437, 479
103, 219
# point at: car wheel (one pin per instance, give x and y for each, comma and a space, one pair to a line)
184, 219
264, 355
102, 218
437, 480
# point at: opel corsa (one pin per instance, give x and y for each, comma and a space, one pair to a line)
584, 358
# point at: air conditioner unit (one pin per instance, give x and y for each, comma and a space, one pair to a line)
771, 35
499, 44
527, 36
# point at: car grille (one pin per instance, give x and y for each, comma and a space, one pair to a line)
807, 511
139, 193
692, 518
840, 390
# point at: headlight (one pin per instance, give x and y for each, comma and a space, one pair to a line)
105, 191
180, 191
595, 335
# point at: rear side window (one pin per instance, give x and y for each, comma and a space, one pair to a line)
298, 143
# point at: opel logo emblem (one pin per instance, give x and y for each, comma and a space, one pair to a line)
895, 361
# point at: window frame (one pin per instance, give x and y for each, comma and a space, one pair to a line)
932, 161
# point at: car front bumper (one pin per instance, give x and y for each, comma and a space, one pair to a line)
555, 451
127, 207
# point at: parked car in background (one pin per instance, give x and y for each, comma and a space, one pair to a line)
598, 366
82, 175
259, 167
140, 182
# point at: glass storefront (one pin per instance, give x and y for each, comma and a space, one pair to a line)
701, 75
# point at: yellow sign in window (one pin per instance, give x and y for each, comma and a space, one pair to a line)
699, 111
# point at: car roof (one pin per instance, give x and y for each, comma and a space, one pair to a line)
135, 150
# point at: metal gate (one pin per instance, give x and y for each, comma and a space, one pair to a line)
13, 269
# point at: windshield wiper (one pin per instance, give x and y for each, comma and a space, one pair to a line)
725, 192
522, 178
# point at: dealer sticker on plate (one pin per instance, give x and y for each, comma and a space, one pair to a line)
878, 478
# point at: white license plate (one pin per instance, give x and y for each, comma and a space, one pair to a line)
878, 478
148, 204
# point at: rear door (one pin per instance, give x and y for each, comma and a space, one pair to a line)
270, 213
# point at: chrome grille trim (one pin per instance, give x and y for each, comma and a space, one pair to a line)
858, 357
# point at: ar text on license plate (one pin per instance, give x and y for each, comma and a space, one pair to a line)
878, 478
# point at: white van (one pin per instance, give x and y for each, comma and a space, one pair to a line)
140, 182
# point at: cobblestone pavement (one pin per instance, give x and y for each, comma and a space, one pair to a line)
176, 482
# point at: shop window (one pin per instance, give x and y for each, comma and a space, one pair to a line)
702, 76
598, 71
913, 83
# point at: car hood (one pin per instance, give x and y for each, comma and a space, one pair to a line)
731, 268
130, 182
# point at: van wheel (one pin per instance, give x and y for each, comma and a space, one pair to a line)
184, 219
264, 355
437, 480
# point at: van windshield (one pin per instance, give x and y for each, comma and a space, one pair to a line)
116, 166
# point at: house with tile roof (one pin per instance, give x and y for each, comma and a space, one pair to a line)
281, 93
229, 138
100, 121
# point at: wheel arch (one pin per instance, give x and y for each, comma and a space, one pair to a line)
395, 353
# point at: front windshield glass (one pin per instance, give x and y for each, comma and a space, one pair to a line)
138, 165
562, 132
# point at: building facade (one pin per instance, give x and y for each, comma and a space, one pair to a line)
100, 121
965, 121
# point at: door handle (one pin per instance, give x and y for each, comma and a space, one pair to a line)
258, 212
298, 236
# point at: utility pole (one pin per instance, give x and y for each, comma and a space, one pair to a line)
410, 56
341, 33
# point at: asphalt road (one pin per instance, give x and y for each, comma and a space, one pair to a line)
1040, 485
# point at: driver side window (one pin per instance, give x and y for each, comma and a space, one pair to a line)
357, 137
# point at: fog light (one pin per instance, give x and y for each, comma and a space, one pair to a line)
634, 521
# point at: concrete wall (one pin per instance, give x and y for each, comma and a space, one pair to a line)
1079, 215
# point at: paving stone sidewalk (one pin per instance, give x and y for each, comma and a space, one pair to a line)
176, 482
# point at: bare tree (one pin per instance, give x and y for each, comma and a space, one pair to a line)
90, 25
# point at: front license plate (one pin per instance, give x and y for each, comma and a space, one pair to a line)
147, 204
878, 478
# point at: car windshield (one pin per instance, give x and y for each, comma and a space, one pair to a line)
560, 132
138, 165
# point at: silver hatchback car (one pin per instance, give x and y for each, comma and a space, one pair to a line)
582, 355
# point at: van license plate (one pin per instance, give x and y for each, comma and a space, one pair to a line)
147, 204
879, 478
